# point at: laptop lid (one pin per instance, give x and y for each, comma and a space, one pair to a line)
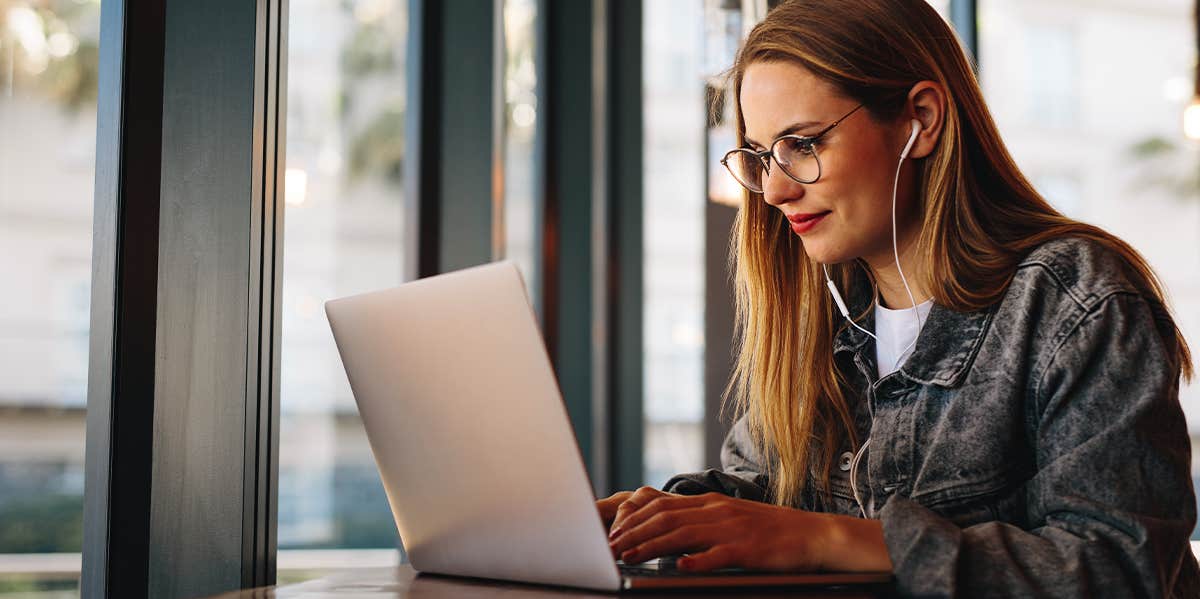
469, 431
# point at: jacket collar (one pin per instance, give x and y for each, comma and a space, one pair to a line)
945, 349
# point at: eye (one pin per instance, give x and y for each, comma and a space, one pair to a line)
790, 148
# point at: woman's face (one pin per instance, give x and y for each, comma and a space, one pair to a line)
858, 163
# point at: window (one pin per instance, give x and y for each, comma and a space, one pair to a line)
48, 50
1051, 65
520, 123
344, 198
1062, 191
674, 163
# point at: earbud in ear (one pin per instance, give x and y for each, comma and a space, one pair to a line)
916, 128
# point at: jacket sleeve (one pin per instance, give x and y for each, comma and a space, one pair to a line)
1110, 506
742, 472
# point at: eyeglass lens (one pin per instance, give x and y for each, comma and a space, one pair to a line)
794, 155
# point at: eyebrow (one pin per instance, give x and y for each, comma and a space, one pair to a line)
791, 129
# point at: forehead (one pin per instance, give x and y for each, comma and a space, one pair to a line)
776, 95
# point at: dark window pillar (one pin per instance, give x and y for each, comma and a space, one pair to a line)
452, 164
183, 377
626, 248
590, 149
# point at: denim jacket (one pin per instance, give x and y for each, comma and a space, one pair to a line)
1034, 448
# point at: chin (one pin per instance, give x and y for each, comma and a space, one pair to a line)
825, 253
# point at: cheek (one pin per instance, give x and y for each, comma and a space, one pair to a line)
863, 177
864, 209
864, 204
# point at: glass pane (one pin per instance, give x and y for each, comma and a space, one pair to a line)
345, 147
1107, 151
520, 123
942, 6
48, 71
674, 193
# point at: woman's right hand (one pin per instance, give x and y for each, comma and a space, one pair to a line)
608, 506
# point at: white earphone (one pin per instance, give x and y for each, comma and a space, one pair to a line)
916, 128
841, 304
837, 297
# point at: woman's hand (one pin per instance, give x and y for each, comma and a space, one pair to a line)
718, 531
608, 506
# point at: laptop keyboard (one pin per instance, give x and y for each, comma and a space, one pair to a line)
663, 566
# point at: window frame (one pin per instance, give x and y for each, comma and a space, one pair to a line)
183, 387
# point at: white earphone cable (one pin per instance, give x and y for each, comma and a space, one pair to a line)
896, 251
854, 476
845, 312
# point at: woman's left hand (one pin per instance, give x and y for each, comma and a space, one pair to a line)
718, 531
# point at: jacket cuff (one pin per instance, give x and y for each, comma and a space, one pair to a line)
923, 547
714, 481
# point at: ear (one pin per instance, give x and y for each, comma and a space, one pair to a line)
927, 104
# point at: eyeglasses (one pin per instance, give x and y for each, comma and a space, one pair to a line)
796, 155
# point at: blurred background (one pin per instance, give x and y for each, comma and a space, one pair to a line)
1090, 98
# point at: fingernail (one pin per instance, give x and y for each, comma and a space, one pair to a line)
615, 532
629, 556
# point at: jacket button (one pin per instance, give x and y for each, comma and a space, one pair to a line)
844, 463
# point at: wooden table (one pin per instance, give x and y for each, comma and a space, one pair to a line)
403, 581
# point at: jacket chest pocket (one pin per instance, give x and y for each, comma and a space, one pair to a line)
969, 487
968, 456
975, 499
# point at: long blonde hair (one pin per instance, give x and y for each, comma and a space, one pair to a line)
980, 215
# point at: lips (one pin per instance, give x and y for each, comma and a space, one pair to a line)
797, 219
803, 223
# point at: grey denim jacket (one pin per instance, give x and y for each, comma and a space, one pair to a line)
1036, 448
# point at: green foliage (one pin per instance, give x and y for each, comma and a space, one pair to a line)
1151, 147
52, 524
1162, 164
379, 147
42, 589
369, 51
375, 132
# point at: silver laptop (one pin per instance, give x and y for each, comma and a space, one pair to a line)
474, 448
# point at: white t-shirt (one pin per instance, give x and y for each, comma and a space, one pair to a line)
895, 330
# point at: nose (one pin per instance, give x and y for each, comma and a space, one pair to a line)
778, 188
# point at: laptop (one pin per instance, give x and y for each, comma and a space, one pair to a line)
474, 447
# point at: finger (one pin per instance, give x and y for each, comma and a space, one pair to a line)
693, 537
714, 558
607, 509
660, 524
637, 502
639, 514
608, 506
634, 502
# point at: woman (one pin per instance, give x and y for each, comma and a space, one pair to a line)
1001, 403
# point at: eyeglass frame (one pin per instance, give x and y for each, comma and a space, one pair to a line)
766, 156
